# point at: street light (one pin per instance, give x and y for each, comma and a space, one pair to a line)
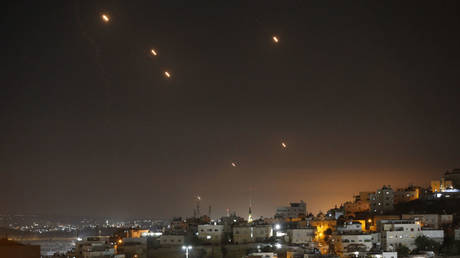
186, 248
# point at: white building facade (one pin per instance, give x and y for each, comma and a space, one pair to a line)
346, 244
301, 235
396, 232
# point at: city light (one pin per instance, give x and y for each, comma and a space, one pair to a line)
187, 248
277, 226
278, 246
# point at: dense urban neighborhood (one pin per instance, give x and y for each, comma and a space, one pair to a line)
413, 221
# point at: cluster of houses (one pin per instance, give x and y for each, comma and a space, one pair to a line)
330, 233
368, 226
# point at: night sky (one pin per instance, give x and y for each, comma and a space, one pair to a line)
364, 93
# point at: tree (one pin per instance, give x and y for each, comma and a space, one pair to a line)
327, 234
424, 243
402, 250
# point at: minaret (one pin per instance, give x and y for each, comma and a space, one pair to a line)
250, 212
250, 218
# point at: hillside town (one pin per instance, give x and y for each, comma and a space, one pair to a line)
406, 222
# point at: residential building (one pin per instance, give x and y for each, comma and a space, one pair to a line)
424, 220
382, 200
430, 221
441, 185
171, 240
243, 234
94, 246
350, 227
335, 213
137, 233
446, 219
436, 235
396, 232
251, 233
262, 232
264, 255
363, 197
453, 175
382, 255
375, 221
346, 244
407, 194
133, 247
210, 233
294, 210
301, 235
457, 234
178, 226
358, 206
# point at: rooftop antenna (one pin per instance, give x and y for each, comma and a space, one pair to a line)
209, 211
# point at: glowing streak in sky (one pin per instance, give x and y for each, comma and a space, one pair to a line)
105, 18
275, 38
167, 74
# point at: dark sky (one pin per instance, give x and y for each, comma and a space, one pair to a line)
365, 93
